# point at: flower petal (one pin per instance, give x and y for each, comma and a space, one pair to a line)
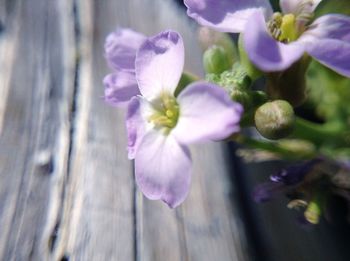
206, 113
266, 191
328, 41
298, 6
121, 47
120, 87
332, 53
331, 26
163, 168
159, 64
224, 15
139, 110
294, 174
264, 51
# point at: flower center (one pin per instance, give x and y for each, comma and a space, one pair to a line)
288, 27
166, 112
283, 27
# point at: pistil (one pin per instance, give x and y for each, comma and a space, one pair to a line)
283, 27
166, 112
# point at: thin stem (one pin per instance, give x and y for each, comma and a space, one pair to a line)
269, 146
317, 133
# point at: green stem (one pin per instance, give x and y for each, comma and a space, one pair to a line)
317, 133
268, 146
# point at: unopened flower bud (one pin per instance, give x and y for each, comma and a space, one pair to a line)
236, 78
216, 60
275, 120
313, 213
208, 37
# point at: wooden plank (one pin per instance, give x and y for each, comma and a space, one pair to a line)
98, 219
35, 125
68, 189
212, 222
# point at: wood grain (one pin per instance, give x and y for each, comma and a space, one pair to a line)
35, 125
67, 187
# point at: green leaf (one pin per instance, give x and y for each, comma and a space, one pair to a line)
333, 6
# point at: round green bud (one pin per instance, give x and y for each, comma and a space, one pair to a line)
216, 60
275, 120
208, 37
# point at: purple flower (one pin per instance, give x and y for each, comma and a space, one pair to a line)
160, 125
284, 180
266, 191
275, 41
294, 174
120, 52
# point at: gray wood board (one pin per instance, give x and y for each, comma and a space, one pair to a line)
67, 188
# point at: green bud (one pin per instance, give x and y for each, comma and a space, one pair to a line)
253, 72
208, 37
216, 60
236, 78
313, 212
213, 78
275, 120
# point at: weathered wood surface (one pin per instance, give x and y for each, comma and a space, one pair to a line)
67, 189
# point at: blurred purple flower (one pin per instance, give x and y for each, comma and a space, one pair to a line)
120, 52
274, 42
284, 180
266, 191
294, 174
160, 125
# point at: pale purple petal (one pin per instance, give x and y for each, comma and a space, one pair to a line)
328, 41
139, 110
331, 26
298, 6
120, 87
334, 54
206, 113
159, 64
264, 51
224, 15
163, 168
121, 47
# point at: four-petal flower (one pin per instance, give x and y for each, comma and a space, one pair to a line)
160, 125
274, 42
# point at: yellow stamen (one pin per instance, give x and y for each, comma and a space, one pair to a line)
288, 29
166, 114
